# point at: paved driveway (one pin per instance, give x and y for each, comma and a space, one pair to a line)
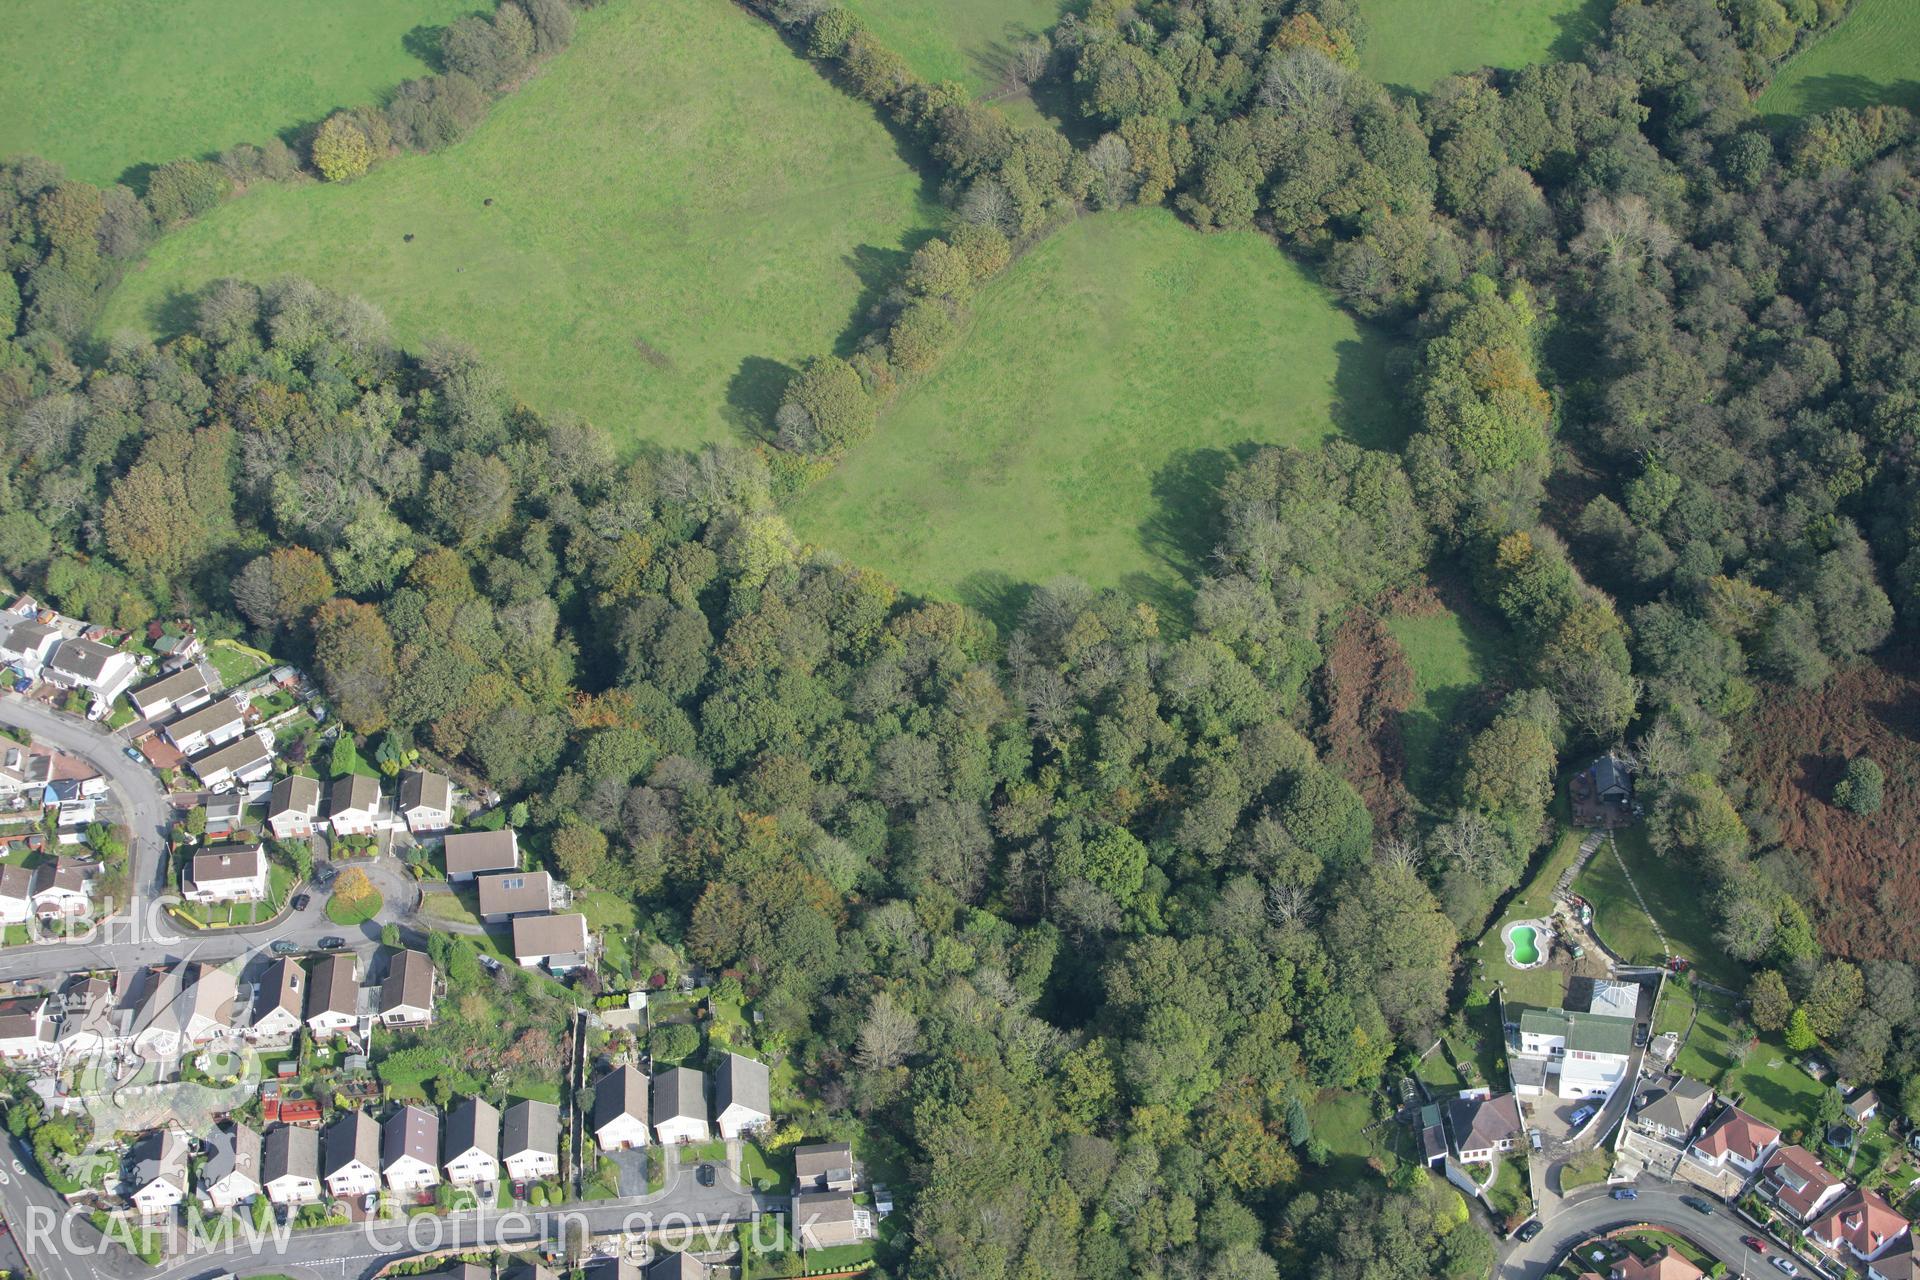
633, 1171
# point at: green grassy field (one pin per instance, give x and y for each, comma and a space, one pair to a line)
1671, 889
103, 85
965, 40
1450, 660
1412, 43
1765, 1078
678, 204
1085, 417
1872, 58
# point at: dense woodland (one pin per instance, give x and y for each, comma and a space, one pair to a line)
1079, 911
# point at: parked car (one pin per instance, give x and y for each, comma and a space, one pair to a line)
333, 942
1640, 1036
1786, 1266
133, 754
282, 947
1580, 1117
301, 901
705, 1174
1696, 1204
1528, 1229
1625, 1193
22, 685
371, 1199
1754, 1243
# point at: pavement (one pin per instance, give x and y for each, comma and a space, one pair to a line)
1593, 1211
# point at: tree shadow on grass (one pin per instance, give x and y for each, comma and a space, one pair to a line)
753, 394
1823, 93
1579, 27
997, 596
1183, 528
879, 271
424, 43
1370, 376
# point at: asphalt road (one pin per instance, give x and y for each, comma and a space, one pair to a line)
1593, 1211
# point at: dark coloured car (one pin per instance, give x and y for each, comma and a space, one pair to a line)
1580, 1117
1640, 1036
301, 901
281, 947
1696, 1204
1528, 1229
1625, 1193
705, 1174
333, 942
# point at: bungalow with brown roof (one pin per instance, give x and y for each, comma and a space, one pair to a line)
1797, 1182
1484, 1126
1861, 1220
559, 942
183, 691
1735, 1138
60, 889
825, 1219
279, 1007
1670, 1108
1664, 1265
469, 853
824, 1166
514, 893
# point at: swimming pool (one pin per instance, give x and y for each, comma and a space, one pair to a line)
1522, 947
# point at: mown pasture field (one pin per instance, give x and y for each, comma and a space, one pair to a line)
102, 86
1872, 58
679, 205
965, 40
1411, 43
1100, 391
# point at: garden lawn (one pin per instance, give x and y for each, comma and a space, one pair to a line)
1671, 891
965, 40
1544, 985
236, 664
1768, 1082
1412, 43
1450, 660
679, 204
1100, 390
1872, 58
102, 85
1340, 1120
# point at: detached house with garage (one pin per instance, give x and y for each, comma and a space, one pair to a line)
209, 727
27, 647
824, 1166
426, 801
826, 1219
473, 1144
87, 664
159, 1168
59, 889
472, 853
293, 806
227, 873
184, 691
351, 1147
290, 1165
1584, 1055
1672, 1107
1735, 1139
1483, 1126
333, 1001
530, 1139
1796, 1181
231, 1174
355, 806
406, 997
282, 998
516, 893
236, 764
742, 1096
680, 1106
410, 1150
620, 1117
1860, 1220
559, 942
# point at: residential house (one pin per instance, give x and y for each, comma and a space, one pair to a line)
16, 894
292, 807
458, 1271
1862, 1221
1664, 1265
677, 1266
516, 893
231, 1174
410, 1150
209, 727
825, 1219
406, 997
96, 1010
680, 1106
559, 942
824, 1166
351, 1147
426, 801
1735, 1138
473, 1144
1672, 1107
207, 1003
1585, 1054
184, 691
27, 646
154, 1029
1898, 1263
355, 806
1863, 1106
529, 1271
742, 1096
227, 873
60, 889
1483, 1126
1433, 1137
333, 999
158, 1164
236, 764
530, 1139
279, 1007
1795, 1180
620, 1116
26, 1032
87, 664
469, 853
290, 1165
612, 1269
